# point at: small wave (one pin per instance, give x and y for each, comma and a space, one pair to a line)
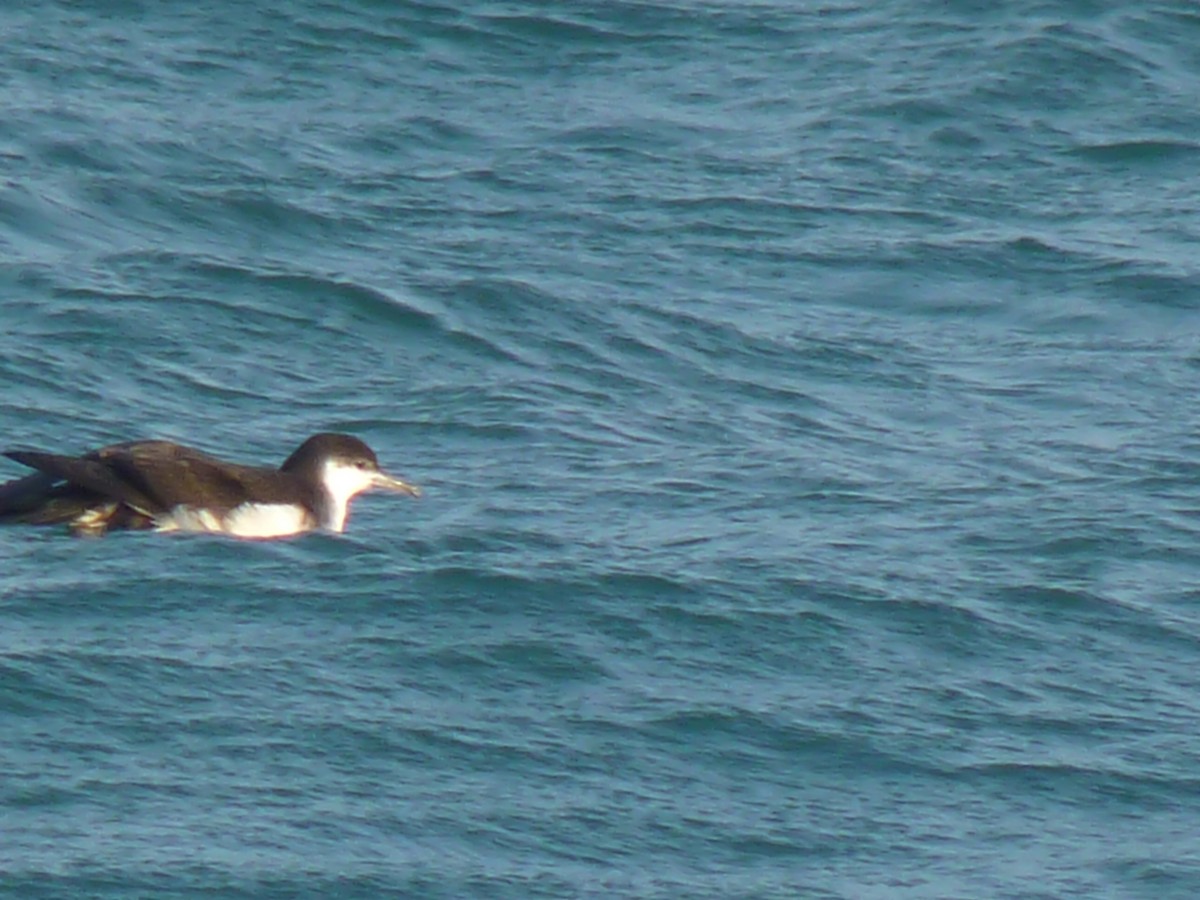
543, 30
527, 660
1143, 789
1147, 151
322, 293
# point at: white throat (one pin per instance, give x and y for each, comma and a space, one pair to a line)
342, 483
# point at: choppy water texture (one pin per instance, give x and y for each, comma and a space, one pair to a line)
805, 396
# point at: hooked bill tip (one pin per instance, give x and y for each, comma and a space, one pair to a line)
387, 482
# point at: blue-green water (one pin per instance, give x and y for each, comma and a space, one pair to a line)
806, 401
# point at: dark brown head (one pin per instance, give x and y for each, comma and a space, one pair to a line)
343, 467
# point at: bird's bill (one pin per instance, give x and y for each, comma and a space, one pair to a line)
386, 482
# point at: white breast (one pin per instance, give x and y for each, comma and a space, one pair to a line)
250, 520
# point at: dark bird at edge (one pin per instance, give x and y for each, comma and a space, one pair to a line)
161, 486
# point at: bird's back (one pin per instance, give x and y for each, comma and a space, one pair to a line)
132, 485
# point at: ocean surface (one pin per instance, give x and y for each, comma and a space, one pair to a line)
805, 397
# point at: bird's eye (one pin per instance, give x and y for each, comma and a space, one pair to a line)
360, 465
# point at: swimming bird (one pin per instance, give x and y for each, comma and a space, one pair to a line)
161, 486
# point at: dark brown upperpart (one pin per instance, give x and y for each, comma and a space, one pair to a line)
141, 480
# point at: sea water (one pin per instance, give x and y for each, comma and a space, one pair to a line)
805, 400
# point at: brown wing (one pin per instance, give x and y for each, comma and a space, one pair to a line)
85, 472
171, 475
148, 477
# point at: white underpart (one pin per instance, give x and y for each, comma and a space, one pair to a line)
342, 483
250, 520
269, 520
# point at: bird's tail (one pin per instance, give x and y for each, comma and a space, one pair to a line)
37, 499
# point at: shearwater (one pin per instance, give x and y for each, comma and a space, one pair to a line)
163, 486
